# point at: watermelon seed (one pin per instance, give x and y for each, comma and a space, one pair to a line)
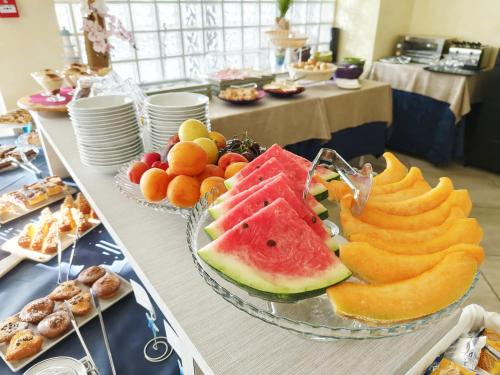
266, 203
314, 220
245, 225
271, 243
260, 179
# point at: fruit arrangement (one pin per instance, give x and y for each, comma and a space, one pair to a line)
413, 245
195, 162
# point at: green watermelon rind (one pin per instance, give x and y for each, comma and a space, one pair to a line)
243, 276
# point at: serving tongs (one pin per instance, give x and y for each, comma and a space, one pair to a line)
36, 170
359, 181
97, 305
27, 167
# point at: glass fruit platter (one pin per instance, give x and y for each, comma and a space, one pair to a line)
314, 317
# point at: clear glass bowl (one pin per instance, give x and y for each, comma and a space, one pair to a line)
132, 191
314, 317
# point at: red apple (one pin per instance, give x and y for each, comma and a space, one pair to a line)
174, 139
150, 157
161, 165
136, 170
229, 158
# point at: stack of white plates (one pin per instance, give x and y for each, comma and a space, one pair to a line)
107, 131
166, 112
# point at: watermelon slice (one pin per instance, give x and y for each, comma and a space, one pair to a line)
276, 188
273, 167
280, 154
274, 254
219, 209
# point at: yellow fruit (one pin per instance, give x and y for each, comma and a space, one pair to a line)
234, 168
336, 189
436, 216
192, 129
218, 138
351, 225
214, 187
461, 231
417, 205
395, 171
422, 295
210, 148
418, 188
380, 267
414, 175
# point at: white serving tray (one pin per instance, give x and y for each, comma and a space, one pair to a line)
472, 319
18, 254
19, 212
15, 366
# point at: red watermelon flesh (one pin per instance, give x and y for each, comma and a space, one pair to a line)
280, 154
275, 251
275, 188
225, 205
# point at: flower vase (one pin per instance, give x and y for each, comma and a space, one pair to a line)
99, 62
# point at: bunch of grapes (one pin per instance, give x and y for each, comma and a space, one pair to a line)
245, 146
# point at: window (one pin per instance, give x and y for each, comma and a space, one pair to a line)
180, 39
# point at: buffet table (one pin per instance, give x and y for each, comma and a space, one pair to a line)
429, 109
222, 339
312, 118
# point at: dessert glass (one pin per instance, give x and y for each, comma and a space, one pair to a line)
51, 83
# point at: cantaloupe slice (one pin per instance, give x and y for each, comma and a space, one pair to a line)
461, 231
417, 205
351, 225
336, 189
414, 175
409, 299
394, 171
380, 267
436, 216
417, 189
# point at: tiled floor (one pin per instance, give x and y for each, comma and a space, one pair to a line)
484, 188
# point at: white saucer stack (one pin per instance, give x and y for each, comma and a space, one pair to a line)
166, 112
107, 131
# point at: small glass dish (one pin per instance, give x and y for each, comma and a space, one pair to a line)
312, 318
132, 191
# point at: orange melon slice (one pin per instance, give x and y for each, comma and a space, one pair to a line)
431, 218
414, 175
417, 205
417, 189
461, 231
336, 189
351, 225
394, 171
377, 266
422, 295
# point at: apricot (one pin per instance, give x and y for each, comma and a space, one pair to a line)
234, 168
218, 138
214, 187
183, 191
136, 170
210, 170
187, 158
210, 148
154, 183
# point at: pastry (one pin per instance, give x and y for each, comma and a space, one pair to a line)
55, 324
82, 221
23, 344
35, 193
90, 275
5, 163
107, 286
42, 229
68, 202
36, 310
54, 185
239, 93
26, 237
50, 242
66, 223
16, 198
18, 116
4, 150
6, 208
10, 326
82, 204
80, 304
64, 291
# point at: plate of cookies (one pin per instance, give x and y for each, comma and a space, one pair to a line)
32, 197
44, 322
39, 241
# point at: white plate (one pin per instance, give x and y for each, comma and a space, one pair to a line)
106, 155
347, 84
109, 121
68, 364
99, 115
176, 101
107, 128
122, 142
104, 137
110, 162
191, 112
177, 119
90, 149
103, 103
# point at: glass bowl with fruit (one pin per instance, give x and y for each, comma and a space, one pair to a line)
193, 163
